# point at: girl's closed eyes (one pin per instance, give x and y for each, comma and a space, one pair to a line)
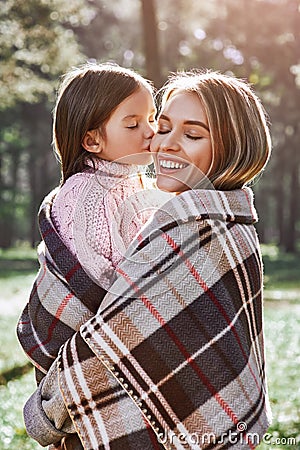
133, 121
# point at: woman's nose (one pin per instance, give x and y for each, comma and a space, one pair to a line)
169, 143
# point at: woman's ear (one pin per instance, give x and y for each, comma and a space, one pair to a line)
93, 141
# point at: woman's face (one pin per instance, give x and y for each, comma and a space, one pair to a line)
182, 147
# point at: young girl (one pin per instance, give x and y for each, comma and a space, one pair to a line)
174, 358
104, 120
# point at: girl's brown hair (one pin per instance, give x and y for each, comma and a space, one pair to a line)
238, 124
87, 97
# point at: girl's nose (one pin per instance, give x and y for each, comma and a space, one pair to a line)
150, 131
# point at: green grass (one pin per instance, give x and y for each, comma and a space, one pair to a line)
282, 270
17, 261
16, 375
282, 332
12, 398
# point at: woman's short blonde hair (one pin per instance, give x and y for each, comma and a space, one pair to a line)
238, 124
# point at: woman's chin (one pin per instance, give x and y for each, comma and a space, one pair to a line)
168, 183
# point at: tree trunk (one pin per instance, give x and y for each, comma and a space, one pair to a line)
153, 67
37, 121
290, 236
290, 241
8, 189
294, 160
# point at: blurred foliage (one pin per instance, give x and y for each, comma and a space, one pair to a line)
18, 261
40, 39
281, 270
37, 44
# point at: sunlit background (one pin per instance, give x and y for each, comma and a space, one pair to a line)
258, 40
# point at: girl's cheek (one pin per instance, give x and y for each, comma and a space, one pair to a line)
152, 147
155, 127
155, 143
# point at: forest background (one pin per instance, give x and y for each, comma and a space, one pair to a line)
258, 40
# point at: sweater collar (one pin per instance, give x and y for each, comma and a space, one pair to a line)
114, 169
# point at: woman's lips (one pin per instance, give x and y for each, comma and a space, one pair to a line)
169, 164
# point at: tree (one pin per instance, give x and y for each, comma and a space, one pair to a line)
263, 47
40, 39
37, 44
153, 65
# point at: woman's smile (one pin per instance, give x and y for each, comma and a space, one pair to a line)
182, 145
170, 164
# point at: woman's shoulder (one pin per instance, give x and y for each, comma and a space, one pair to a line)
204, 204
236, 205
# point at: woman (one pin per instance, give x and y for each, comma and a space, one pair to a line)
175, 356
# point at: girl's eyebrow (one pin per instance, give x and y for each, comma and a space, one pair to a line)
130, 116
187, 122
133, 116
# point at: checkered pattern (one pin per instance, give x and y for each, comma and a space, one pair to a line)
63, 297
175, 359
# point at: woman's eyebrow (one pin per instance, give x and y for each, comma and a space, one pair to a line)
187, 122
196, 122
162, 116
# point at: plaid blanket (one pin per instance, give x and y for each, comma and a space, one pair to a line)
175, 357
63, 297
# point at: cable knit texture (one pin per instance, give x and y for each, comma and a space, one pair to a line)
98, 212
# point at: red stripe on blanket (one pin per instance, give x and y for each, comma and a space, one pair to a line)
173, 336
206, 289
186, 354
72, 271
40, 280
152, 435
196, 275
58, 313
47, 232
211, 295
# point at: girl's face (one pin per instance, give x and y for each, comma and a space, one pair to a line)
182, 143
129, 130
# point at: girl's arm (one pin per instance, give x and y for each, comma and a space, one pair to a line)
45, 414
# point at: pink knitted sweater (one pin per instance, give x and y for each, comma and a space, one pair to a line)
98, 213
